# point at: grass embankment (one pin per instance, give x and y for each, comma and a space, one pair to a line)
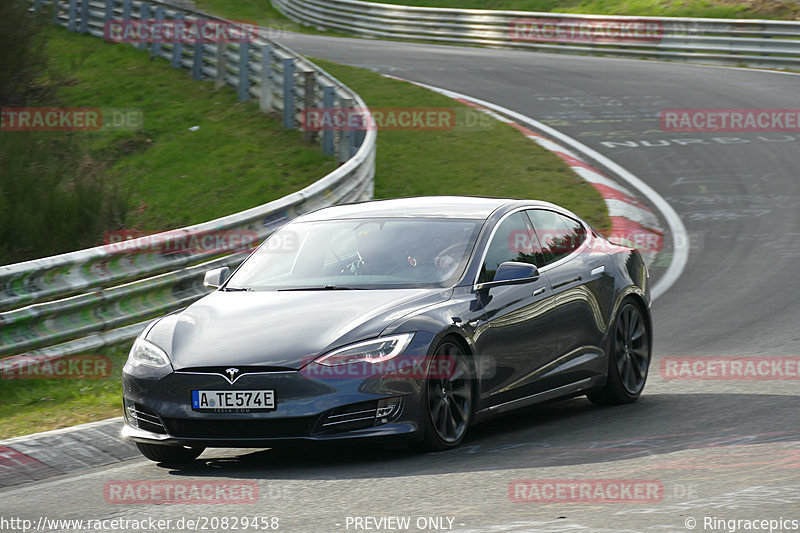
259, 11
33, 405
154, 177
768, 9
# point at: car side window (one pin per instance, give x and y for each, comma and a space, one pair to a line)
511, 242
559, 235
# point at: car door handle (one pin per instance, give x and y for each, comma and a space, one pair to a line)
598, 270
538, 291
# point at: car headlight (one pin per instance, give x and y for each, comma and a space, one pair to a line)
372, 351
148, 354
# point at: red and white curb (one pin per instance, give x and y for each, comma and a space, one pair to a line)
62, 451
632, 223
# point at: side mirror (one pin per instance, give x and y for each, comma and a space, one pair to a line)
512, 273
215, 278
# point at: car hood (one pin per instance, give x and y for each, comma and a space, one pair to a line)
283, 329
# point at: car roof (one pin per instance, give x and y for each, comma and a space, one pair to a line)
468, 207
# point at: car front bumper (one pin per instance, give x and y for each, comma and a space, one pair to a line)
159, 410
388, 432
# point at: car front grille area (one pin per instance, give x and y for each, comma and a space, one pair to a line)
143, 418
361, 415
341, 419
349, 417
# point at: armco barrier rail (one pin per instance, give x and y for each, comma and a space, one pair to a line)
88, 298
755, 43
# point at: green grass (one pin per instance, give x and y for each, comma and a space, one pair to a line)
162, 174
260, 11
32, 405
238, 158
769, 9
483, 162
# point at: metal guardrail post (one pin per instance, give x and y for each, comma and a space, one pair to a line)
359, 138
309, 85
244, 71
346, 136
355, 140
288, 93
265, 102
109, 10
71, 15
221, 66
84, 16
126, 9
327, 133
198, 50
143, 15
155, 46
177, 45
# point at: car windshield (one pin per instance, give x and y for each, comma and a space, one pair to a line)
372, 253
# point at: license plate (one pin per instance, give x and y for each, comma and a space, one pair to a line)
251, 400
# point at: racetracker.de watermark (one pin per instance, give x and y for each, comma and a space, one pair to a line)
69, 119
64, 367
730, 120
186, 242
442, 367
586, 490
559, 241
585, 30
210, 522
181, 492
174, 31
394, 119
730, 368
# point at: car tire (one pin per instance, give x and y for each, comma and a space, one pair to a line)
169, 454
628, 357
448, 397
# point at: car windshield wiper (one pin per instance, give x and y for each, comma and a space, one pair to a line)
238, 289
324, 288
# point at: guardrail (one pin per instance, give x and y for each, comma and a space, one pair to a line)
755, 43
85, 299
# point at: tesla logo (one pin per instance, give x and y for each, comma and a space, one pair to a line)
232, 372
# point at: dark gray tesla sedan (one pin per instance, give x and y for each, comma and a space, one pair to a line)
409, 318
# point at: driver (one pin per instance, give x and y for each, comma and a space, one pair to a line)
368, 251
447, 260
444, 255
